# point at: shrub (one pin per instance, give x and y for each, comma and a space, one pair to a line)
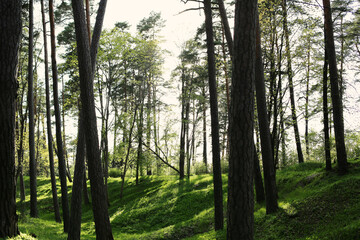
115, 172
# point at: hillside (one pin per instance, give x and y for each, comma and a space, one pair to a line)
314, 205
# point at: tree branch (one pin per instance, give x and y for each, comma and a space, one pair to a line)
160, 158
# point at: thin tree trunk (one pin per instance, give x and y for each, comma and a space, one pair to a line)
139, 159
60, 149
259, 186
266, 147
10, 28
204, 128
22, 122
68, 174
32, 160
87, 62
326, 114
85, 190
240, 223
79, 173
128, 153
218, 195
187, 124
226, 26
48, 117
307, 94
335, 92
182, 131
291, 85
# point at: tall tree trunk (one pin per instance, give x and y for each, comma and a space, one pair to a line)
307, 94
266, 147
187, 127
20, 152
148, 121
182, 130
68, 174
32, 160
48, 117
226, 26
276, 132
139, 160
241, 160
259, 186
335, 92
10, 28
204, 128
128, 152
79, 173
59, 143
218, 195
326, 114
86, 57
291, 85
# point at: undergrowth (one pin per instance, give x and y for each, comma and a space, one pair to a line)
313, 204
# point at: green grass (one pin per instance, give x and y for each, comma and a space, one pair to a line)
314, 204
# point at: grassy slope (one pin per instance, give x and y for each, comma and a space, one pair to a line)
314, 205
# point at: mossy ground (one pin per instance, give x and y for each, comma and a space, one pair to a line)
314, 204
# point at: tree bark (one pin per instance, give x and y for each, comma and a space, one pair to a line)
266, 146
291, 85
48, 117
226, 26
335, 92
182, 130
79, 173
241, 160
204, 127
259, 186
87, 58
326, 114
59, 143
32, 160
307, 95
218, 194
10, 29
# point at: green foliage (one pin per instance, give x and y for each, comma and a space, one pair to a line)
200, 168
115, 172
314, 204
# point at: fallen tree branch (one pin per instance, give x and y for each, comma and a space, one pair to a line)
160, 158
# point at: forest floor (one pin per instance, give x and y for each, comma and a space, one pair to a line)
314, 204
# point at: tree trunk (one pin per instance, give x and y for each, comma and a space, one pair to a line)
226, 26
59, 143
335, 92
266, 147
22, 124
86, 58
10, 28
241, 160
259, 186
291, 86
204, 128
75, 216
32, 160
128, 152
307, 94
182, 131
326, 114
85, 190
218, 195
48, 117
187, 127
139, 160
